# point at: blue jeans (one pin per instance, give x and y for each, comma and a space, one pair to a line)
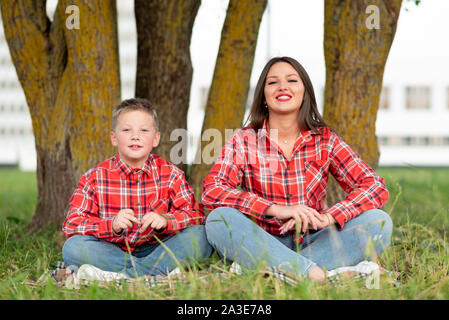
187, 246
237, 238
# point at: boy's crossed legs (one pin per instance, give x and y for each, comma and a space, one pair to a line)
149, 259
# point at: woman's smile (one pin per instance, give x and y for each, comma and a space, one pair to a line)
284, 89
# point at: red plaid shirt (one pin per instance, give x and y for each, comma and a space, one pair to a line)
251, 174
112, 185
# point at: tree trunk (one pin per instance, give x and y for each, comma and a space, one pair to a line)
164, 67
357, 39
70, 77
228, 93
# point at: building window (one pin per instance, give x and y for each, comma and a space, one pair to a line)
446, 141
447, 98
204, 94
384, 100
417, 98
413, 140
383, 141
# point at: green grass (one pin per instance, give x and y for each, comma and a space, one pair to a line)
419, 252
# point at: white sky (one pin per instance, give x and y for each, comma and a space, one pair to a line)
296, 29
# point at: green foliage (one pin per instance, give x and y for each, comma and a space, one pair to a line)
419, 252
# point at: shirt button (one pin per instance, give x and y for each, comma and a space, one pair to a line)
290, 195
137, 181
138, 204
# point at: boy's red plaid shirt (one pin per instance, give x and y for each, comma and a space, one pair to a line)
112, 185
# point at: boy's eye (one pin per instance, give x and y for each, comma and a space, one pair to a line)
271, 82
292, 80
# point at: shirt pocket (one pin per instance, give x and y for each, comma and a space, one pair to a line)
316, 172
160, 206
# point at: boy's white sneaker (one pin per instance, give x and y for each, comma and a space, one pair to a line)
91, 273
235, 268
175, 271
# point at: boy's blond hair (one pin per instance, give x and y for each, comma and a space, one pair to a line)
133, 105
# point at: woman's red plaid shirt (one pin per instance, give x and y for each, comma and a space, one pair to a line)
251, 174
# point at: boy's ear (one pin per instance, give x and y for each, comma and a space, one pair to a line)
156, 139
114, 139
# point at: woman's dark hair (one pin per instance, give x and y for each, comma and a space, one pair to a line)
309, 117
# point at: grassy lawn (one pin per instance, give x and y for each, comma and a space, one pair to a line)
419, 252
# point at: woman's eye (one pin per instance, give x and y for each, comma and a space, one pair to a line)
292, 80
271, 82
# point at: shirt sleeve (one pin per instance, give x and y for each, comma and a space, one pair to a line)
83, 213
365, 189
221, 187
184, 211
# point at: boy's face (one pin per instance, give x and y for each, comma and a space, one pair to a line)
135, 136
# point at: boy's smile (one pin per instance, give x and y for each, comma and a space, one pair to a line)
135, 136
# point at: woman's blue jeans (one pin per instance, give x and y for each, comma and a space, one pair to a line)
237, 238
185, 247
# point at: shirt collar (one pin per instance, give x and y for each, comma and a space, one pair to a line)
304, 135
127, 170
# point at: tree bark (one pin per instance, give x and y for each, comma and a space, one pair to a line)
228, 93
164, 67
355, 55
70, 78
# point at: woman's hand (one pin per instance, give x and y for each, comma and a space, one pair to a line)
328, 220
299, 216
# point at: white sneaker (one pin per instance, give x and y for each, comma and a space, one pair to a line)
364, 267
89, 272
235, 268
177, 270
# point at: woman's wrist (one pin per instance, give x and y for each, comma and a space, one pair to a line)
271, 211
330, 218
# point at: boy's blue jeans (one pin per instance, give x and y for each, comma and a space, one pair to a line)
187, 246
237, 238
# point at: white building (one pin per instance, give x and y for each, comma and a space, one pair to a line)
412, 123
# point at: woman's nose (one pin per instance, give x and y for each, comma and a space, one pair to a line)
283, 85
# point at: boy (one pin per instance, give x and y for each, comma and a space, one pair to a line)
122, 206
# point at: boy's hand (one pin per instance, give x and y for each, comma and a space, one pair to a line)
124, 220
153, 220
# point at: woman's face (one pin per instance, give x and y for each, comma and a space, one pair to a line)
284, 89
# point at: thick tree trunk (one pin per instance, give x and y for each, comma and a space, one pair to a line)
228, 93
357, 40
164, 67
70, 78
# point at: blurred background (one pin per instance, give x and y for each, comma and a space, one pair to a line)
413, 118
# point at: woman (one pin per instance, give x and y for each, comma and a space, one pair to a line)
268, 186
